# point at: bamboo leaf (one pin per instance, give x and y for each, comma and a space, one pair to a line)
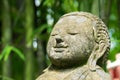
5, 77
3, 52
40, 29
7, 52
49, 3
18, 52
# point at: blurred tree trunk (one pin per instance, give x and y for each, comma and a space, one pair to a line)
29, 23
6, 35
86, 5
104, 10
41, 52
41, 57
118, 9
95, 7
41, 48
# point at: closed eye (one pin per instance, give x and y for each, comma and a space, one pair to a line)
53, 34
72, 33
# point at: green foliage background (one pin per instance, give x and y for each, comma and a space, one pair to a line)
24, 22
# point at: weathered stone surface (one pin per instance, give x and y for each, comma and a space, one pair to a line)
77, 47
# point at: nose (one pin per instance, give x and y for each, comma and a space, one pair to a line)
60, 42
58, 39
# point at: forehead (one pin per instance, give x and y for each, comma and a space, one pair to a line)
77, 19
74, 23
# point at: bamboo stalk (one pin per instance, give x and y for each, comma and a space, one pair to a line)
29, 12
6, 36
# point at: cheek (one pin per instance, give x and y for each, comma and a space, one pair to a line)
78, 45
74, 43
50, 44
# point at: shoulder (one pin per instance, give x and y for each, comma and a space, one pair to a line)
42, 76
103, 74
48, 75
85, 73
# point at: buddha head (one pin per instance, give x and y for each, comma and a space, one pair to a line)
78, 38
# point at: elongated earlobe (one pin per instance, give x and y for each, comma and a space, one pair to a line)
102, 46
97, 53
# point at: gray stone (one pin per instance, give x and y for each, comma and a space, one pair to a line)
78, 47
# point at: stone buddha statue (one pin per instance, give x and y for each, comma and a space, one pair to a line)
77, 48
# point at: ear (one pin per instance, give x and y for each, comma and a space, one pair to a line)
97, 53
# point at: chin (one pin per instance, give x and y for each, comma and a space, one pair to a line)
64, 63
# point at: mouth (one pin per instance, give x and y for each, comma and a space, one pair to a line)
59, 49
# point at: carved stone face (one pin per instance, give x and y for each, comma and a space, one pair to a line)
71, 41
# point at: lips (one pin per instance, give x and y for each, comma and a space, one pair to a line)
59, 49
